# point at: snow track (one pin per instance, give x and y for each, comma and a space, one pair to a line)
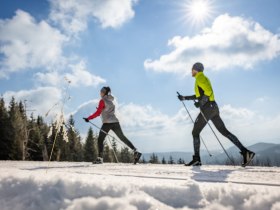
64, 185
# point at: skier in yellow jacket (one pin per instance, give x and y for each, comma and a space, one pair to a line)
209, 111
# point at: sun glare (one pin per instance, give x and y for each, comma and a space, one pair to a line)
198, 11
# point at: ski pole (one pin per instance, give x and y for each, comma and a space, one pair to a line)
108, 139
193, 123
216, 136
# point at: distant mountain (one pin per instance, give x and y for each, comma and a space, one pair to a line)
262, 146
266, 154
271, 154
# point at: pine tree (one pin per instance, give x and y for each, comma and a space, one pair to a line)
17, 131
115, 150
163, 161
154, 159
5, 141
55, 144
90, 151
181, 161
75, 146
171, 160
107, 154
114, 145
126, 156
36, 133
43, 128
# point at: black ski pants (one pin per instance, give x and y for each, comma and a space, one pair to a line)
117, 130
211, 112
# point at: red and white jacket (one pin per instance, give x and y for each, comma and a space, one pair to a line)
106, 109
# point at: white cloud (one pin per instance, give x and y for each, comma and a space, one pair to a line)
41, 99
27, 44
52, 78
73, 15
230, 112
79, 76
229, 42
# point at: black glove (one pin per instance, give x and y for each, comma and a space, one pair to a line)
86, 119
181, 98
197, 104
193, 97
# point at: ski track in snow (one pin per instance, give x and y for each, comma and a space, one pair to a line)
75, 186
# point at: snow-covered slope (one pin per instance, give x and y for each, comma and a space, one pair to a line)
34, 185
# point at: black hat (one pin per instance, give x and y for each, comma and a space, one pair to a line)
198, 67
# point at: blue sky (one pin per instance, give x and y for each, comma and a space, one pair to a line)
144, 51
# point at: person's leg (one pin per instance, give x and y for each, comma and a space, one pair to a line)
219, 124
118, 131
199, 124
105, 127
247, 154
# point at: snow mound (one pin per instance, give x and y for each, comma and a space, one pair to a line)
72, 186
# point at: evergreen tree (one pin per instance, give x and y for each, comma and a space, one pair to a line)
154, 159
126, 156
17, 131
90, 151
171, 160
5, 141
75, 146
36, 133
56, 145
43, 128
163, 161
114, 145
107, 155
181, 161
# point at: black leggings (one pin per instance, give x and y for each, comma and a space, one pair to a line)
211, 112
117, 130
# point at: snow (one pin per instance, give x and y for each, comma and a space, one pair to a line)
72, 186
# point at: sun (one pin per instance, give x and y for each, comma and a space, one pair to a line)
198, 11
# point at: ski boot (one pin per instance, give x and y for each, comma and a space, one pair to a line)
99, 160
137, 156
247, 157
195, 161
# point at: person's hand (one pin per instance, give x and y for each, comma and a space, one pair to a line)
86, 119
181, 98
197, 104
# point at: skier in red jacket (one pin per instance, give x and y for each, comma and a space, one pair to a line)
106, 109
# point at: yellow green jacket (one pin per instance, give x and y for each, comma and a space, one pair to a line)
203, 86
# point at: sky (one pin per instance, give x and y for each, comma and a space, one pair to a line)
144, 50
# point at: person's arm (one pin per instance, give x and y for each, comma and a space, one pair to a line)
100, 107
181, 98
